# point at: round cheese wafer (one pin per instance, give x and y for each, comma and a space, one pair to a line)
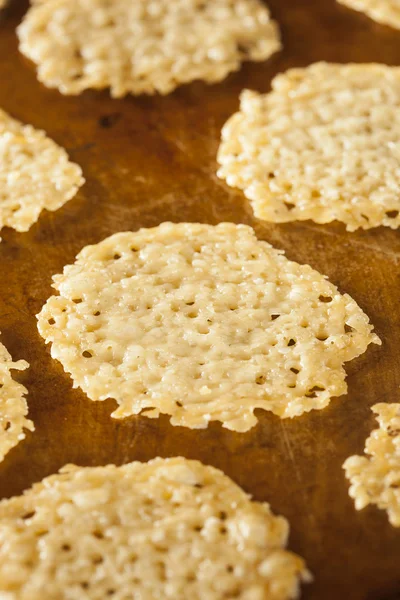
323, 145
35, 174
375, 478
143, 47
13, 407
171, 528
202, 323
383, 11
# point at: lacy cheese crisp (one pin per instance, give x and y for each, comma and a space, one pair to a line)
143, 47
13, 407
35, 174
383, 11
202, 323
171, 528
375, 478
323, 145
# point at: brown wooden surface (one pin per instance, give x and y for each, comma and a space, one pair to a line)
148, 160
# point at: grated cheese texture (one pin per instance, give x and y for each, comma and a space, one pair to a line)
202, 323
170, 528
383, 11
13, 407
322, 145
35, 174
143, 47
375, 478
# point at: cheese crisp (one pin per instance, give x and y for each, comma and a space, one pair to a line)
171, 528
143, 47
383, 11
35, 174
13, 407
202, 323
323, 145
375, 479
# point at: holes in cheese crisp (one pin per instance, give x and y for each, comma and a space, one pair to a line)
16, 208
197, 528
230, 568
322, 337
392, 214
294, 370
312, 393
203, 329
193, 314
87, 353
179, 404
116, 256
66, 548
77, 300
7, 426
393, 432
274, 317
291, 342
242, 49
51, 321
260, 379
84, 585
223, 515
97, 533
289, 205
28, 515
348, 328
97, 313
110, 592
325, 298
223, 530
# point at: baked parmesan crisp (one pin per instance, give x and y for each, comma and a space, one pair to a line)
13, 407
35, 174
375, 478
171, 528
141, 47
322, 145
383, 11
202, 323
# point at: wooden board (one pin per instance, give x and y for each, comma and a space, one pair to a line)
147, 160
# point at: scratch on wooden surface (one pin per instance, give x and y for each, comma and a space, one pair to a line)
299, 477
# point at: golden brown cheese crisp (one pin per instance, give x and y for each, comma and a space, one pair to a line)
322, 145
375, 478
202, 323
171, 529
35, 174
143, 47
13, 406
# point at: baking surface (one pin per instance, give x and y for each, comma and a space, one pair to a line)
148, 160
